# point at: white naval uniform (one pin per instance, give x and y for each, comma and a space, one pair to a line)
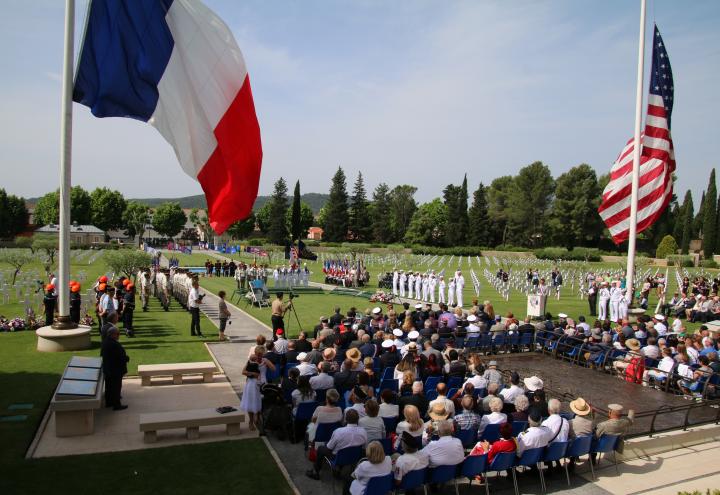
603, 298
396, 277
441, 291
425, 288
616, 296
411, 285
432, 284
403, 280
451, 292
459, 285
418, 286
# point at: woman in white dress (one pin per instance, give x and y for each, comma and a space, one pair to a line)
254, 370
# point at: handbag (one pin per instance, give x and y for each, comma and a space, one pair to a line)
312, 454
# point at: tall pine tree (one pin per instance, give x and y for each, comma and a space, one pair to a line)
296, 218
451, 198
336, 222
710, 218
359, 218
688, 213
277, 227
379, 209
478, 221
698, 220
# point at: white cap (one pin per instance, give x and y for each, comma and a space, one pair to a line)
302, 356
562, 315
418, 306
376, 310
397, 332
659, 317
413, 334
472, 318
387, 344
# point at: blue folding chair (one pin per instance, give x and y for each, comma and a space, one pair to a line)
387, 445
444, 474
390, 425
480, 393
529, 458
568, 415
604, 445
485, 343
303, 414
414, 479
388, 375
475, 465
579, 447
389, 383
320, 395
499, 342
379, 485
349, 456
526, 340
503, 461
467, 437
513, 340
472, 342
431, 395
460, 342
288, 367
455, 382
518, 427
491, 433
555, 452
324, 431
431, 383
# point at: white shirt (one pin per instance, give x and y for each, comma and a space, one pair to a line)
533, 437
442, 399
322, 381
661, 328
666, 364
410, 462
445, 451
557, 424
478, 382
307, 369
388, 410
510, 394
192, 298
281, 345
491, 419
375, 427
366, 470
347, 436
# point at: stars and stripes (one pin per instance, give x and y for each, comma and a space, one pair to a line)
657, 159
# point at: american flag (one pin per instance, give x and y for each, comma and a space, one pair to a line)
657, 160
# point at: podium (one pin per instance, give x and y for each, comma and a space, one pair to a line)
536, 305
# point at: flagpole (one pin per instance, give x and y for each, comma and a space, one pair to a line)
63, 320
636, 158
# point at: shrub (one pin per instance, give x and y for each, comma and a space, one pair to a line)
683, 260
447, 251
577, 254
257, 242
708, 264
667, 247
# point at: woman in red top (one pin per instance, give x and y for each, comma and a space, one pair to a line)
505, 444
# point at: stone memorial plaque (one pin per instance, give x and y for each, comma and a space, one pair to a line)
85, 374
77, 387
85, 362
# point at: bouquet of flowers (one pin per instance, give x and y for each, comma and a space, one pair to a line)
32, 322
4, 324
87, 320
17, 324
382, 297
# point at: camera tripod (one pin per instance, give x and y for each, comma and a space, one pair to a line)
287, 330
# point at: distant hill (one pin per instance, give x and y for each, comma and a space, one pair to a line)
314, 200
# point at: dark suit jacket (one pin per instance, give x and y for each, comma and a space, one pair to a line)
114, 358
417, 400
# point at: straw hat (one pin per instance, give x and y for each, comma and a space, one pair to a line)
632, 344
329, 354
438, 412
533, 383
353, 354
580, 407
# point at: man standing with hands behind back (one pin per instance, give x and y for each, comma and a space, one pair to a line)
114, 368
194, 301
279, 308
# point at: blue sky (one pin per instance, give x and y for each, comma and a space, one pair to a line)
416, 92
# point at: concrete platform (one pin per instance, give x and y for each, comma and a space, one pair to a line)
53, 340
120, 430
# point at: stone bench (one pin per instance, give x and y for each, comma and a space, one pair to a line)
77, 396
177, 370
191, 420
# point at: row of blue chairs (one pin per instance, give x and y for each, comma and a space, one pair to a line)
474, 466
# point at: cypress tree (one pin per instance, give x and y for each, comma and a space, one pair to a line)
336, 222
462, 213
478, 220
451, 198
379, 209
678, 215
295, 223
277, 227
710, 218
687, 222
359, 217
698, 220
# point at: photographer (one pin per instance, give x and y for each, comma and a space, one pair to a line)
279, 308
194, 301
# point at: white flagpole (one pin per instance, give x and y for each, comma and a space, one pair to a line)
636, 157
65, 169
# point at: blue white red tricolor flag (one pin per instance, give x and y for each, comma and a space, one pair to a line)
657, 159
176, 65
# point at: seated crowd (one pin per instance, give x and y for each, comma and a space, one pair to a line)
408, 390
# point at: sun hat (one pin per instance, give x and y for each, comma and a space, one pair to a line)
353, 354
329, 354
438, 412
615, 407
412, 347
302, 356
580, 407
533, 383
632, 344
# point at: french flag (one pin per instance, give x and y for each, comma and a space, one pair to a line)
176, 65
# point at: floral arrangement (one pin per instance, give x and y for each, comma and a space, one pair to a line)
382, 297
17, 324
87, 320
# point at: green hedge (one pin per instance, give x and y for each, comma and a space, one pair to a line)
708, 264
577, 254
448, 251
683, 260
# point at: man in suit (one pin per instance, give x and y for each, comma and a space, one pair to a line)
114, 367
417, 399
